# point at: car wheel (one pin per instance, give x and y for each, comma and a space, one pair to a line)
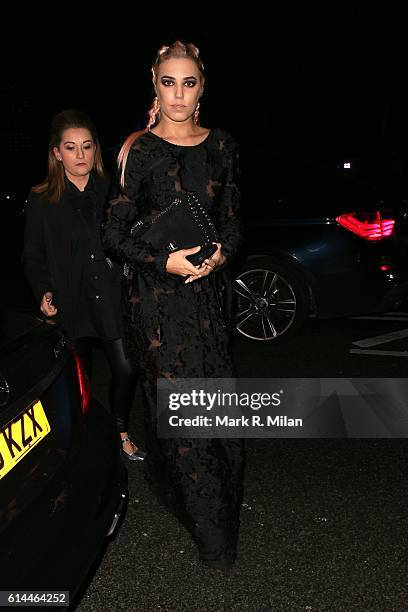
270, 301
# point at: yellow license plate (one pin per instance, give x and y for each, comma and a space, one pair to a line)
21, 434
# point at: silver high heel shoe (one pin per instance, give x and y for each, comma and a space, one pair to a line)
137, 455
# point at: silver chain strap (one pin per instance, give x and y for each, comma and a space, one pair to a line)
192, 197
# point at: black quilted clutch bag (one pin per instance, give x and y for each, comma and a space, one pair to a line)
182, 225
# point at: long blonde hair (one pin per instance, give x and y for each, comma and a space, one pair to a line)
54, 184
176, 50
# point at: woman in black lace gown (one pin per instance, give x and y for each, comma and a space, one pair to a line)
175, 328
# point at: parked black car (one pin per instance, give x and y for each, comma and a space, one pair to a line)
319, 241
63, 485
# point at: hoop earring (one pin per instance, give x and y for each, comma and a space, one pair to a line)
196, 116
153, 112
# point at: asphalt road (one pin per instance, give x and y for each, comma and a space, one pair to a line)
323, 522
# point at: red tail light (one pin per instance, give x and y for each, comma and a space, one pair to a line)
369, 226
84, 384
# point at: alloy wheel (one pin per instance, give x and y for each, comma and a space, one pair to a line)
266, 304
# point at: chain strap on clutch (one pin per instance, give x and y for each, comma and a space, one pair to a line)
195, 206
180, 226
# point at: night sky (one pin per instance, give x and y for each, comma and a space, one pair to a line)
326, 79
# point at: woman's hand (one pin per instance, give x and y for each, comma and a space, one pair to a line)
46, 305
217, 258
178, 264
208, 265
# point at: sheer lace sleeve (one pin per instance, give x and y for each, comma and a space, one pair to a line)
229, 226
124, 209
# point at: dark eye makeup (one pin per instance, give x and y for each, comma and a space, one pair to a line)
167, 82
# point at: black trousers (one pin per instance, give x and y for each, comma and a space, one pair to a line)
123, 379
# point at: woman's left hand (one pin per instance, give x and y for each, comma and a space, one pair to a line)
216, 259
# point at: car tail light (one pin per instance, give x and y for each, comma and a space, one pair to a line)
84, 384
369, 226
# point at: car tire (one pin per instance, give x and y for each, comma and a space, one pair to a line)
270, 301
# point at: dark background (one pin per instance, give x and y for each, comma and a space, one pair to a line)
324, 525
313, 79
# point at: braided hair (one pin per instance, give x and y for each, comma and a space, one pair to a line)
178, 49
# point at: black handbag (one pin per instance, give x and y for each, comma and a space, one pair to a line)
184, 224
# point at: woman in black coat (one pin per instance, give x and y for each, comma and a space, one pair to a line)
64, 260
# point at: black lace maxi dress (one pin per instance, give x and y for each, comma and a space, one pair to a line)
176, 330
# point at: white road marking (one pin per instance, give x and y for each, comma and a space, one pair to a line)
374, 352
377, 318
375, 340
383, 338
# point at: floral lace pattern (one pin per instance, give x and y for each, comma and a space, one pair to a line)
176, 330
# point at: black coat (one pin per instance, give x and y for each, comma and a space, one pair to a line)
55, 254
